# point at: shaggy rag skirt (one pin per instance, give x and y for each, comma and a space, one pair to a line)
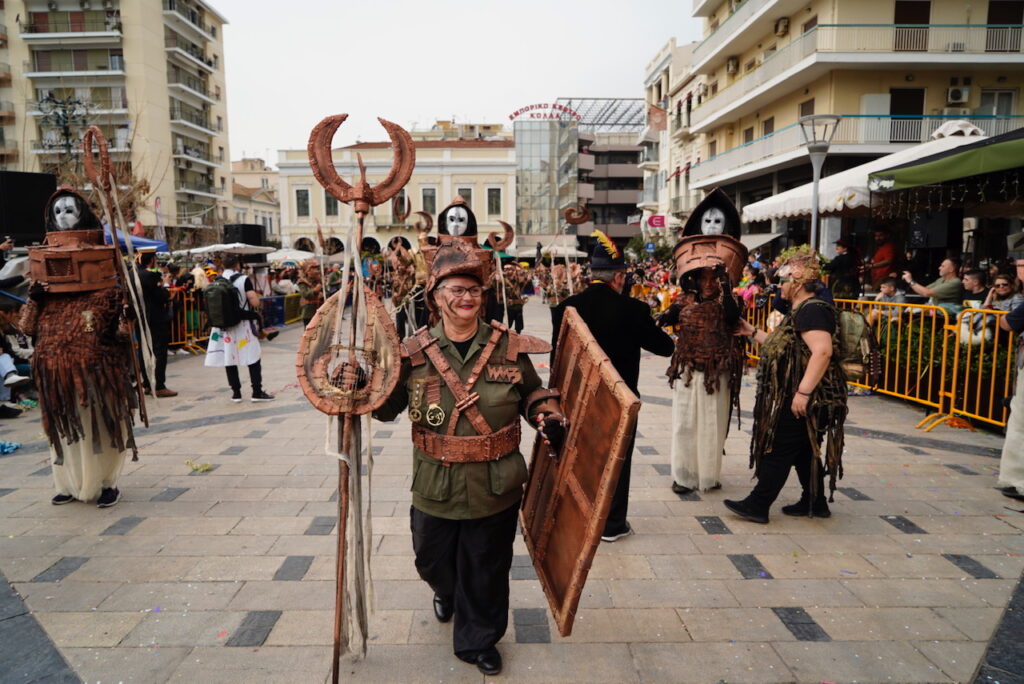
700, 424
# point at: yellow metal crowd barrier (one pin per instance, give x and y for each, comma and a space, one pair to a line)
189, 326
292, 308
956, 366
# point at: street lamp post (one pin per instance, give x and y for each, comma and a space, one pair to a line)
817, 131
66, 115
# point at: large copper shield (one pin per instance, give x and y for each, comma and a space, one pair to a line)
567, 500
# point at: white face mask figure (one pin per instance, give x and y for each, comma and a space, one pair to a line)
457, 221
712, 222
66, 213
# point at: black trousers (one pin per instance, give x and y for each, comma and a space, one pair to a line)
620, 500
790, 449
255, 377
160, 342
515, 319
468, 561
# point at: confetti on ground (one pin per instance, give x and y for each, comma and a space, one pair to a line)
199, 467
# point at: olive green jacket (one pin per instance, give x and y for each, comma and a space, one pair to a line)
465, 490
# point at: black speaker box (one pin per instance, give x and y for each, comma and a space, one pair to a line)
22, 205
249, 233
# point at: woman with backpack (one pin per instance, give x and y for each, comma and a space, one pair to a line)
801, 398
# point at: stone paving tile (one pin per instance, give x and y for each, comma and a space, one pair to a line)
912, 592
624, 625
848, 661
170, 628
731, 662
270, 595
66, 597
299, 664
956, 660
120, 569
92, 629
171, 596
125, 664
833, 565
885, 624
733, 624
791, 592
660, 593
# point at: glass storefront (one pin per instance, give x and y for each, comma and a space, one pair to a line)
546, 174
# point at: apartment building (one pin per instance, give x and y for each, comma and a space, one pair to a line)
895, 70
670, 148
149, 74
476, 161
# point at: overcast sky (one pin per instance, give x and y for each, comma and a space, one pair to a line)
290, 64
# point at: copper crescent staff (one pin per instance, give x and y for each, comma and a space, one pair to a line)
103, 181
362, 196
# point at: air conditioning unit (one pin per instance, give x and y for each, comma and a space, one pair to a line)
703, 90
108, 4
957, 95
782, 27
956, 111
195, 221
85, 4
732, 65
52, 6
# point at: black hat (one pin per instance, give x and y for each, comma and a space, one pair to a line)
605, 255
442, 218
716, 199
842, 242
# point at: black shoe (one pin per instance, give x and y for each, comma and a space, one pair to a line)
261, 396
801, 509
616, 535
443, 609
680, 489
487, 661
108, 497
236, 396
62, 499
272, 334
740, 508
1012, 493
9, 411
717, 485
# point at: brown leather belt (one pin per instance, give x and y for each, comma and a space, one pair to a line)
450, 449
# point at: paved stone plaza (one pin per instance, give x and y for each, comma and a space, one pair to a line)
227, 575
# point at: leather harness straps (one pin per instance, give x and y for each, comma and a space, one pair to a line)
465, 401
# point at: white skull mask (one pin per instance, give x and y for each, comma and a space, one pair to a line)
457, 221
712, 222
66, 213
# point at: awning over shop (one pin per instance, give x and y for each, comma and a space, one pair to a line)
989, 155
138, 243
848, 189
754, 240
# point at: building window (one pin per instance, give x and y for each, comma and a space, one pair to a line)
768, 126
750, 66
220, 154
216, 92
330, 204
302, 202
220, 123
430, 200
807, 108
493, 201
748, 135
264, 182
810, 23
223, 183
713, 88
712, 148
467, 194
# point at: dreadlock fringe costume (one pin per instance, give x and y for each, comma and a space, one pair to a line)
707, 359
784, 357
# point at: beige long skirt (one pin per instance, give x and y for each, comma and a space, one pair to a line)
86, 470
700, 424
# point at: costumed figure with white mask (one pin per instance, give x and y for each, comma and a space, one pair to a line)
77, 314
707, 364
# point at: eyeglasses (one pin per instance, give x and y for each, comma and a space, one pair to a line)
458, 291
785, 280
1002, 284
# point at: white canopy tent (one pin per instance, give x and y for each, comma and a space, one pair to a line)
231, 248
849, 189
555, 250
288, 255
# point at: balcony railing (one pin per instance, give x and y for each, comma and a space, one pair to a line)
188, 14
190, 83
113, 63
8, 147
55, 146
5, 70
865, 39
195, 153
714, 39
189, 48
199, 187
6, 106
854, 129
680, 124
68, 26
181, 114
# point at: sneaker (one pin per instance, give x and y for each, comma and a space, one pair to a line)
108, 497
12, 379
616, 536
272, 334
680, 489
62, 499
801, 509
236, 396
261, 396
164, 392
741, 509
